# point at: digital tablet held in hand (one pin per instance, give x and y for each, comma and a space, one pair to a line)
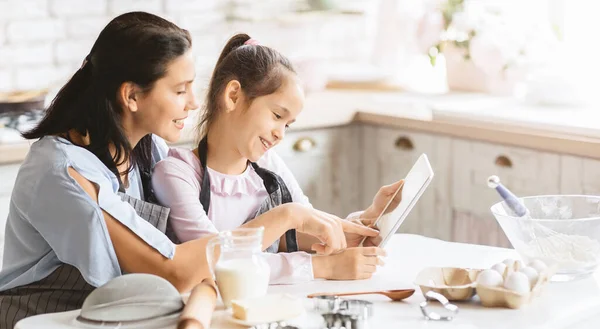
402, 201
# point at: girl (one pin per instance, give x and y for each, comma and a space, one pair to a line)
234, 176
77, 217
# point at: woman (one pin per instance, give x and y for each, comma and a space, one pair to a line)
77, 218
253, 96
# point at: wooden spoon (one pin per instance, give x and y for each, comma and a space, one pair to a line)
394, 295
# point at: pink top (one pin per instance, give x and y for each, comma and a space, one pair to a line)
234, 199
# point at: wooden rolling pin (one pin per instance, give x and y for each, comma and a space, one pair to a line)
199, 308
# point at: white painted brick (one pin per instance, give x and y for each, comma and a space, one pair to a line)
22, 9
188, 6
202, 22
204, 44
35, 30
33, 78
117, 7
5, 81
26, 54
204, 65
86, 27
68, 8
72, 52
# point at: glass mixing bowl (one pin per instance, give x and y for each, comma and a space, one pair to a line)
561, 230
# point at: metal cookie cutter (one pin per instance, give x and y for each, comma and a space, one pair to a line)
274, 325
343, 313
432, 315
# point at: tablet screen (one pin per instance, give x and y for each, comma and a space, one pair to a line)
402, 201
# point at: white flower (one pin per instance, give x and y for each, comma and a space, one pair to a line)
429, 30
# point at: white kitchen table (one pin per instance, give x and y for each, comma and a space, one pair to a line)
561, 305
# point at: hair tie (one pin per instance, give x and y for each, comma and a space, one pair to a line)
252, 42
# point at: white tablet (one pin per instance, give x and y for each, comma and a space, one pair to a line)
415, 183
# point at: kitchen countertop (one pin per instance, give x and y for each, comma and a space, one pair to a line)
567, 130
560, 305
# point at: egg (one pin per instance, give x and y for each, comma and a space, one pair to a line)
513, 263
489, 278
517, 282
500, 268
532, 275
508, 262
538, 265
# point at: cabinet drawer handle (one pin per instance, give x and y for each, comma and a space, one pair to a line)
304, 144
503, 161
404, 143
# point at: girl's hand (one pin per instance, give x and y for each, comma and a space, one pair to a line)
350, 264
354, 239
329, 229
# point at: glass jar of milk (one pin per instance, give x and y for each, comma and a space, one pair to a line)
236, 261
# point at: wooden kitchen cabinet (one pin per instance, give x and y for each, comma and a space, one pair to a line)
390, 154
525, 172
579, 175
325, 164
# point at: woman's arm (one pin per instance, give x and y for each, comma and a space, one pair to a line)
187, 268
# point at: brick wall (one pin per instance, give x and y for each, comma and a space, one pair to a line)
42, 42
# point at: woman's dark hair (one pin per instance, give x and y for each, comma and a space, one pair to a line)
259, 69
134, 47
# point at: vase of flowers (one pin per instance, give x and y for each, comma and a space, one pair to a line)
488, 46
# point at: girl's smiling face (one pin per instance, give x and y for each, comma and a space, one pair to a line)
262, 124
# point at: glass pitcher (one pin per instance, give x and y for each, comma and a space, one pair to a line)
236, 262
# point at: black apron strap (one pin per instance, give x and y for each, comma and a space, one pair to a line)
205, 184
144, 173
273, 183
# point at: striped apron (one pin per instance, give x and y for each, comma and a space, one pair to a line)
65, 289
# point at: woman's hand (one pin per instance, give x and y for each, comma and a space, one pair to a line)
350, 264
382, 198
329, 229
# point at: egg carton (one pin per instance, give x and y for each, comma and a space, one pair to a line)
455, 284
461, 284
499, 296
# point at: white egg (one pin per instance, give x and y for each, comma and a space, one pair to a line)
513, 263
508, 262
532, 275
489, 278
538, 265
500, 268
517, 282
518, 265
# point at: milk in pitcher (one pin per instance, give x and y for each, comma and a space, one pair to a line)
242, 278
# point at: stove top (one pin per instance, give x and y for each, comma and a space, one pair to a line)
12, 124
